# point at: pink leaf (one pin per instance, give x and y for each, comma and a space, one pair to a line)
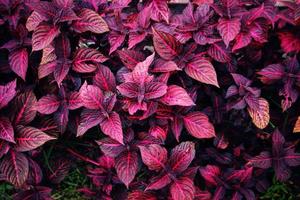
15, 168
229, 29
105, 79
127, 166
155, 90
6, 130
165, 66
86, 60
219, 52
29, 138
34, 20
47, 104
90, 21
182, 156
198, 125
182, 188
23, 106
135, 38
271, 73
110, 147
61, 71
112, 127
154, 156
210, 173
115, 40
263, 160
160, 10
158, 182
43, 35
129, 90
202, 70
241, 40
88, 119
7, 93
130, 58
166, 45
18, 61
177, 96
91, 96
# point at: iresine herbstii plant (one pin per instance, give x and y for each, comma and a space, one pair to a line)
150, 100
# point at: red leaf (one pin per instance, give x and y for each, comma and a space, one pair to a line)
219, 52
7, 93
43, 36
86, 60
182, 156
155, 90
165, 66
241, 41
154, 156
24, 108
61, 71
6, 130
166, 45
198, 125
18, 61
29, 138
129, 90
112, 127
88, 119
105, 79
91, 96
177, 126
130, 58
135, 38
289, 42
140, 195
110, 147
90, 21
160, 10
158, 182
177, 96
46, 69
61, 117
271, 73
263, 160
59, 170
202, 70
115, 40
34, 20
15, 168
127, 166
47, 104
210, 173
182, 188
229, 29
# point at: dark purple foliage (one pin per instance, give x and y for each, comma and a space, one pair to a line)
155, 101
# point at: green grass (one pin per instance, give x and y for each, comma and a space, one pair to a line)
278, 191
6, 191
68, 188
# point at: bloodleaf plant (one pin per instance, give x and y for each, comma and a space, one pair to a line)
288, 73
248, 97
237, 182
281, 157
126, 154
174, 171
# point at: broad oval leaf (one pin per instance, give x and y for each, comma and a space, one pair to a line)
141, 195
6, 130
198, 125
110, 147
23, 106
160, 10
219, 52
182, 156
86, 60
159, 182
166, 45
91, 96
202, 70
182, 189
261, 116
228, 29
15, 167
112, 126
90, 21
7, 93
18, 61
105, 79
88, 119
263, 160
43, 35
127, 166
28, 138
130, 58
34, 20
47, 104
177, 96
154, 156
271, 73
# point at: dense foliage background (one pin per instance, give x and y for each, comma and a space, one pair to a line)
149, 100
